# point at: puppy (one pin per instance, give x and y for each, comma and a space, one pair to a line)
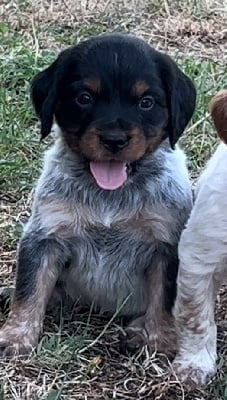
114, 194
203, 262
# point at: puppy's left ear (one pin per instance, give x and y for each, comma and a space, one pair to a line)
181, 97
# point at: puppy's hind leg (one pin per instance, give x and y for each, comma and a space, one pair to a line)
40, 260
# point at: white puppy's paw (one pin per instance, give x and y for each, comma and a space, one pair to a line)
195, 369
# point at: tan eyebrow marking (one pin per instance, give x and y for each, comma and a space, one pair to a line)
139, 88
93, 83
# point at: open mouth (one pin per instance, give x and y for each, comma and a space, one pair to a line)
110, 175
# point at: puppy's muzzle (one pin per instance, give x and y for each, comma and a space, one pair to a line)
114, 141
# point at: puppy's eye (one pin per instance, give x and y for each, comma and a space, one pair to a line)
146, 103
84, 99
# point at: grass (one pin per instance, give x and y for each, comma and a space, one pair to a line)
79, 358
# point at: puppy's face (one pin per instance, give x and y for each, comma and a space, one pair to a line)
115, 100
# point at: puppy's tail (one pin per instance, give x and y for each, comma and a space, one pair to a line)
218, 110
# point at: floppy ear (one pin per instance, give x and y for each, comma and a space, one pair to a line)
181, 98
43, 95
218, 110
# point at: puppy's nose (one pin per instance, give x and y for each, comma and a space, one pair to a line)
114, 142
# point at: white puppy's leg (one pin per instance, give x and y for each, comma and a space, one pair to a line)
194, 312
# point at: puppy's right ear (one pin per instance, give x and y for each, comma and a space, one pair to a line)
218, 110
43, 95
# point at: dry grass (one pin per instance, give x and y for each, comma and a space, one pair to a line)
79, 358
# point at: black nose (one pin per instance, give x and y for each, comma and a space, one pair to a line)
114, 142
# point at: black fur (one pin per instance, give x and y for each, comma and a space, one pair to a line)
119, 60
34, 249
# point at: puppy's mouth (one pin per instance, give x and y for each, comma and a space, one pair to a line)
111, 174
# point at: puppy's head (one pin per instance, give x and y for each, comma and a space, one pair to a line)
218, 109
115, 99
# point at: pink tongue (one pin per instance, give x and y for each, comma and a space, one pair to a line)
109, 175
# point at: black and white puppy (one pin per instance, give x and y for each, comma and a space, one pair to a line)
114, 193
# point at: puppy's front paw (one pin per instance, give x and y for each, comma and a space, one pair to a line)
14, 343
135, 337
159, 337
195, 369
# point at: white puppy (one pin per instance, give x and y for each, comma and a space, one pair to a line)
203, 262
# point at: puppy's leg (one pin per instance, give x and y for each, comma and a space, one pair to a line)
6, 294
156, 327
194, 312
39, 263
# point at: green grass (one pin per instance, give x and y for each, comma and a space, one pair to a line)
19, 135
200, 138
